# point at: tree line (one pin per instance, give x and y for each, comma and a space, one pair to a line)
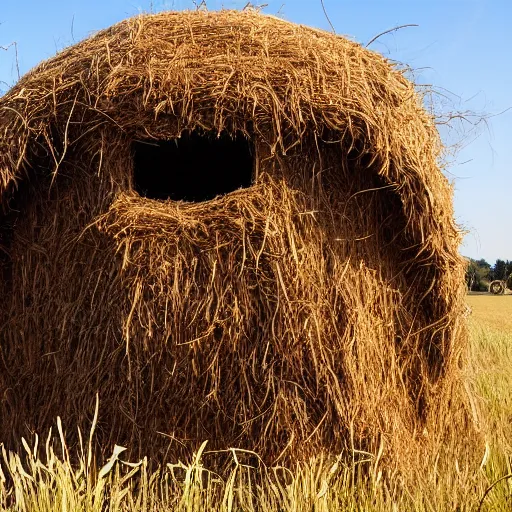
480, 273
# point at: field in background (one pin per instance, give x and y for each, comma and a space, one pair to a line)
492, 311
491, 337
49, 483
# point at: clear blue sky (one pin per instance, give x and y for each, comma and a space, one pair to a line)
462, 47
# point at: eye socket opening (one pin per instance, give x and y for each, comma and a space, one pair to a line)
196, 167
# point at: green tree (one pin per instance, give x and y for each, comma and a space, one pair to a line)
508, 265
478, 275
499, 270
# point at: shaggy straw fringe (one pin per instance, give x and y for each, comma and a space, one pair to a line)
319, 309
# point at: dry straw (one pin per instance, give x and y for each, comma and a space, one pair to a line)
319, 309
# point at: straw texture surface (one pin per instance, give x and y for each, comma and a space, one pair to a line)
319, 309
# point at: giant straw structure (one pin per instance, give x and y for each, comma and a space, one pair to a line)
318, 308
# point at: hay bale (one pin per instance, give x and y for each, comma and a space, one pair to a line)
319, 308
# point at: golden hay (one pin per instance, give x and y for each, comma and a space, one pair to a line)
319, 309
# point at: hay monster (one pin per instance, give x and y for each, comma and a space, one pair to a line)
232, 228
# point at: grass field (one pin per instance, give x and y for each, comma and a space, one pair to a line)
492, 311
51, 483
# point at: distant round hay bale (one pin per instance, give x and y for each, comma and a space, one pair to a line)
497, 287
317, 308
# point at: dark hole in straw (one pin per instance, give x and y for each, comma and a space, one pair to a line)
196, 167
